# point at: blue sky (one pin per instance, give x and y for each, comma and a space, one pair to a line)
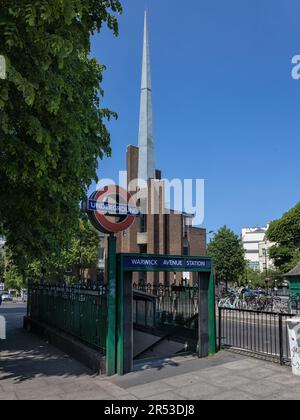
226, 108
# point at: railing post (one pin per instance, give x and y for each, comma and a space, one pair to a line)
28, 298
220, 329
281, 339
212, 314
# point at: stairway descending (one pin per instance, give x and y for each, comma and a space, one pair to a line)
161, 342
161, 349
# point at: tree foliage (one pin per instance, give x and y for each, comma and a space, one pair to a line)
52, 130
285, 233
257, 279
228, 256
14, 280
9, 273
2, 264
80, 255
84, 249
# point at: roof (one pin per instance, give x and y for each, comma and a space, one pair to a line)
295, 272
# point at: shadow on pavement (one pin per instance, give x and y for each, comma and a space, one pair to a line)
24, 356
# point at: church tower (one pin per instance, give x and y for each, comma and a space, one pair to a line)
146, 165
155, 232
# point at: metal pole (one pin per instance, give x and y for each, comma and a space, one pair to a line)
281, 339
112, 307
220, 329
206, 334
212, 314
124, 323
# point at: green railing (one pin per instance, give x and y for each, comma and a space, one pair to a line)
80, 310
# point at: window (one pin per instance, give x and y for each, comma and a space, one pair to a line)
254, 265
143, 249
143, 225
186, 248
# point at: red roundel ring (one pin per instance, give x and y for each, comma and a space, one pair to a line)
101, 221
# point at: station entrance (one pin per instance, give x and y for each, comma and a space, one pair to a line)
179, 316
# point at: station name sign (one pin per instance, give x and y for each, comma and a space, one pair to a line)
112, 209
166, 263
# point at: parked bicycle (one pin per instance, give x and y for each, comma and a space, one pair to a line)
241, 298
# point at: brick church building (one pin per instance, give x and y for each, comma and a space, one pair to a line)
159, 233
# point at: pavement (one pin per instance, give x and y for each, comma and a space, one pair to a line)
31, 369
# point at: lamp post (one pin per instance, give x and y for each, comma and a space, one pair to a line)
276, 287
211, 232
266, 261
265, 254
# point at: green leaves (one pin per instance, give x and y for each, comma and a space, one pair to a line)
24, 86
52, 130
285, 233
228, 256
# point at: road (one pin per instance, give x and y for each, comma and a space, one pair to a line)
13, 314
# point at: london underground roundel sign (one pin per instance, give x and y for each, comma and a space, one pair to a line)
112, 209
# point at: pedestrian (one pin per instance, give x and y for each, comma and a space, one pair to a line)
0, 299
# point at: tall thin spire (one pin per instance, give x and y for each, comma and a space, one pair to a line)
146, 143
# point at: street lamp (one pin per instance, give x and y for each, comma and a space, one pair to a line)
211, 232
265, 254
276, 287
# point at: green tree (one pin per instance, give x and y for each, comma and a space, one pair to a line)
252, 278
52, 131
83, 253
2, 264
228, 256
285, 233
80, 255
257, 279
14, 280
9, 273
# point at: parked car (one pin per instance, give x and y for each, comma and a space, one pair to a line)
24, 296
6, 297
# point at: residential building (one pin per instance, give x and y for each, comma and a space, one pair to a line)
257, 248
265, 262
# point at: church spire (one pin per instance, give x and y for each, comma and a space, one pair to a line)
146, 143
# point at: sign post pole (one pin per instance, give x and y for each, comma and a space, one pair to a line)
112, 202
112, 307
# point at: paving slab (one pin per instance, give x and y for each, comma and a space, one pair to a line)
199, 391
165, 396
147, 390
261, 389
287, 380
231, 396
92, 395
8, 396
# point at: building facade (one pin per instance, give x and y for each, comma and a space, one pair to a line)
257, 248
